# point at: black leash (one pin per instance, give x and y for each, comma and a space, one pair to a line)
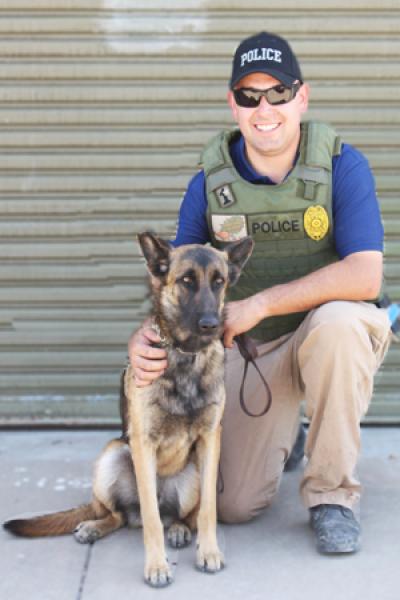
248, 350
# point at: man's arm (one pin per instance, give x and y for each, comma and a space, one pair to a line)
356, 277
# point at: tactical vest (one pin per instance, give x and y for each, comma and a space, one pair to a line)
291, 222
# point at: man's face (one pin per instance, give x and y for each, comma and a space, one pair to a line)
269, 130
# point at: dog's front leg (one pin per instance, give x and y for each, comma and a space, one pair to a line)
209, 558
157, 572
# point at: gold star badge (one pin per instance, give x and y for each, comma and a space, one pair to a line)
316, 222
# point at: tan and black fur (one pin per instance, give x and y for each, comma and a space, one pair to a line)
163, 470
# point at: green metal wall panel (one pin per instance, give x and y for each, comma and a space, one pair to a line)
104, 107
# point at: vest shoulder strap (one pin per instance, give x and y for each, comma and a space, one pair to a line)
212, 156
320, 143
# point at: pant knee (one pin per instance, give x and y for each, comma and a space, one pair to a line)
233, 509
234, 512
344, 336
243, 500
338, 318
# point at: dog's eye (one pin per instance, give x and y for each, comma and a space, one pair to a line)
187, 280
219, 281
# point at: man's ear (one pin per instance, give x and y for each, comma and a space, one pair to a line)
232, 104
238, 254
303, 96
156, 253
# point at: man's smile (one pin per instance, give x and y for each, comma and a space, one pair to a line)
266, 127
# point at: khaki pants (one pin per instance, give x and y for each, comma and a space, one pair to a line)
329, 362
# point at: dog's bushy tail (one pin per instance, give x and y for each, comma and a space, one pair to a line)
52, 524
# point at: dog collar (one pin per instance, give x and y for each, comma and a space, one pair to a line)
166, 343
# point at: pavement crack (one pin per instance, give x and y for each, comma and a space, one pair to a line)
84, 572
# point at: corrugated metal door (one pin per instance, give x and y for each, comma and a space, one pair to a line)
104, 107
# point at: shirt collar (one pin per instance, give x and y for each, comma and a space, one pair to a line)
243, 166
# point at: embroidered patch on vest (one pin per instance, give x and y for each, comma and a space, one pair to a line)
225, 196
276, 226
229, 228
316, 222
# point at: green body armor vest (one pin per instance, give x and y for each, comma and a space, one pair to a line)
291, 222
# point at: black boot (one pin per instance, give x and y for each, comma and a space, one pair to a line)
336, 529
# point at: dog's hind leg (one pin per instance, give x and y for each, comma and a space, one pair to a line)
179, 535
191, 519
115, 493
185, 489
88, 532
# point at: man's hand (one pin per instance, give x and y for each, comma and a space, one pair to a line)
148, 363
240, 316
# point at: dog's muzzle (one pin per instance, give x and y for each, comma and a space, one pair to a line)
208, 324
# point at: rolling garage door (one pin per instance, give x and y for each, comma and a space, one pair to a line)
104, 107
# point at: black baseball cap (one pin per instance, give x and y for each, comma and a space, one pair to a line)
265, 53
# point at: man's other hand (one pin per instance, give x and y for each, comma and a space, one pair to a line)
148, 363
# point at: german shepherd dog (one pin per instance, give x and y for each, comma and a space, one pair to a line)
163, 470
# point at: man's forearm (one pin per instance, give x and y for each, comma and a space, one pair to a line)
357, 277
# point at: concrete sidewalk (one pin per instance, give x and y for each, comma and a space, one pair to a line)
271, 558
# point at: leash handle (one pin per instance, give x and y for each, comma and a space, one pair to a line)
248, 350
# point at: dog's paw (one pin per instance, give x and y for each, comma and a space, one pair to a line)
86, 532
179, 535
158, 575
210, 561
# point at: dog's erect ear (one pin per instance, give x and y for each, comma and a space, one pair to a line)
156, 252
238, 254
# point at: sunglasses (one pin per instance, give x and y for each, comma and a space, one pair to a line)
279, 94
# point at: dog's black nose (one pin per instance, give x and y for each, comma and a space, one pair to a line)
208, 323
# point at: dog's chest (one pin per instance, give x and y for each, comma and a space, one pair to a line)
183, 395
189, 385
189, 404
183, 405
175, 437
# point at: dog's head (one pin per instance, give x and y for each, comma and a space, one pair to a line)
189, 285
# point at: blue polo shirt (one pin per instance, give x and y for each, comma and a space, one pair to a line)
357, 223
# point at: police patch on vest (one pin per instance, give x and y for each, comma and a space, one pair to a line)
229, 228
276, 226
316, 222
225, 196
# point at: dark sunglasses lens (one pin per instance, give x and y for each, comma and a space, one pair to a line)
247, 98
279, 95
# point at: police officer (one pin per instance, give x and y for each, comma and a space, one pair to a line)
307, 295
